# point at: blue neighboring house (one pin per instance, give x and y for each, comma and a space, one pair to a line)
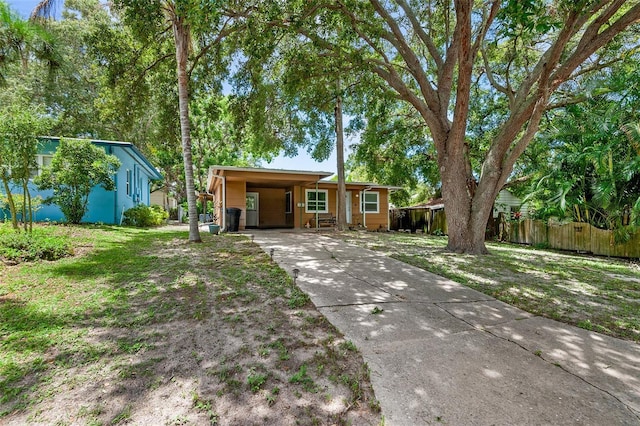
133, 182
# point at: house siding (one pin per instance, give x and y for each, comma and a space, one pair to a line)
505, 200
237, 197
374, 221
271, 208
272, 186
103, 206
140, 185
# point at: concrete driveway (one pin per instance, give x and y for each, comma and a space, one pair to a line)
441, 353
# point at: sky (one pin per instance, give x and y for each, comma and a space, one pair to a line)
24, 7
302, 161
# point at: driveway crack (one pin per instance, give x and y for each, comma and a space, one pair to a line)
355, 277
554, 364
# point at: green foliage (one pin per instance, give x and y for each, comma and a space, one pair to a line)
22, 41
38, 245
588, 167
143, 216
297, 298
77, 166
213, 138
395, 147
527, 17
301, 377
19, 202
256, 380
20, 126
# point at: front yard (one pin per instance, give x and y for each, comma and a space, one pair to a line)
142, 327
595, 293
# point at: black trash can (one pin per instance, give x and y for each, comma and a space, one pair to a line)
233, 218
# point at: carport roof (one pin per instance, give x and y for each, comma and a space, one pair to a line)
212, 169
258, 177
261, 177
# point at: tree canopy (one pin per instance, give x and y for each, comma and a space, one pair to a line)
444, 95
588, 168
430, 54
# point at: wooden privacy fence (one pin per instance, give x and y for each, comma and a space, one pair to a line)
419, 219
574, 236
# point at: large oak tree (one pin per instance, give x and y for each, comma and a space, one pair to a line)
430, 53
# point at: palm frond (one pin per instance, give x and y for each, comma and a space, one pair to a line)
44, 10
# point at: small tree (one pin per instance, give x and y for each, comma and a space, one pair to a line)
20, 125
76, 167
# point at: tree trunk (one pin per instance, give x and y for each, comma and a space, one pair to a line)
467, 209
181, 35
27, 215
342, 187
12, 205
466, 221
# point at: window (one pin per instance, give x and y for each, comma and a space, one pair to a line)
41, 161
316, 201
128, 182
370, 202
46, 160
288, 202
251, 201
515, 213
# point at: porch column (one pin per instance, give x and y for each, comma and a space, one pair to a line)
327, 201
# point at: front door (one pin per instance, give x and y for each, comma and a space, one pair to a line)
253, 206
348, 201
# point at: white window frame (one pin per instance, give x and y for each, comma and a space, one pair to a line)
288, 203
128, 182
326, 201
363, 194
40, 164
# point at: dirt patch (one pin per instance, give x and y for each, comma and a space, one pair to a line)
211, 333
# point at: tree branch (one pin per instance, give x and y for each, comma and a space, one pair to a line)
410, 58
569, 101
224, 32
492, 80
524, 141
550, 58
428, 41
517, 181
593, 39
495, 7
465, 70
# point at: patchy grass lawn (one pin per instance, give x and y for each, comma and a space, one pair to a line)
595, 293
142, 327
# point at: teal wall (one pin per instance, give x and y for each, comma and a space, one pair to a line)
104, 206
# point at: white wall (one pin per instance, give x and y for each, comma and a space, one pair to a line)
505, 200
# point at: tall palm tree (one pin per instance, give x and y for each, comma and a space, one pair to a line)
182, 37
19, 39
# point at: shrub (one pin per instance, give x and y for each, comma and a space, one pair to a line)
173, 213
24, 247
143, 216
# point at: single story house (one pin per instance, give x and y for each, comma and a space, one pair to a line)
427, 217
510, 205
431, 218
162, 197
274, 198
133, 183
